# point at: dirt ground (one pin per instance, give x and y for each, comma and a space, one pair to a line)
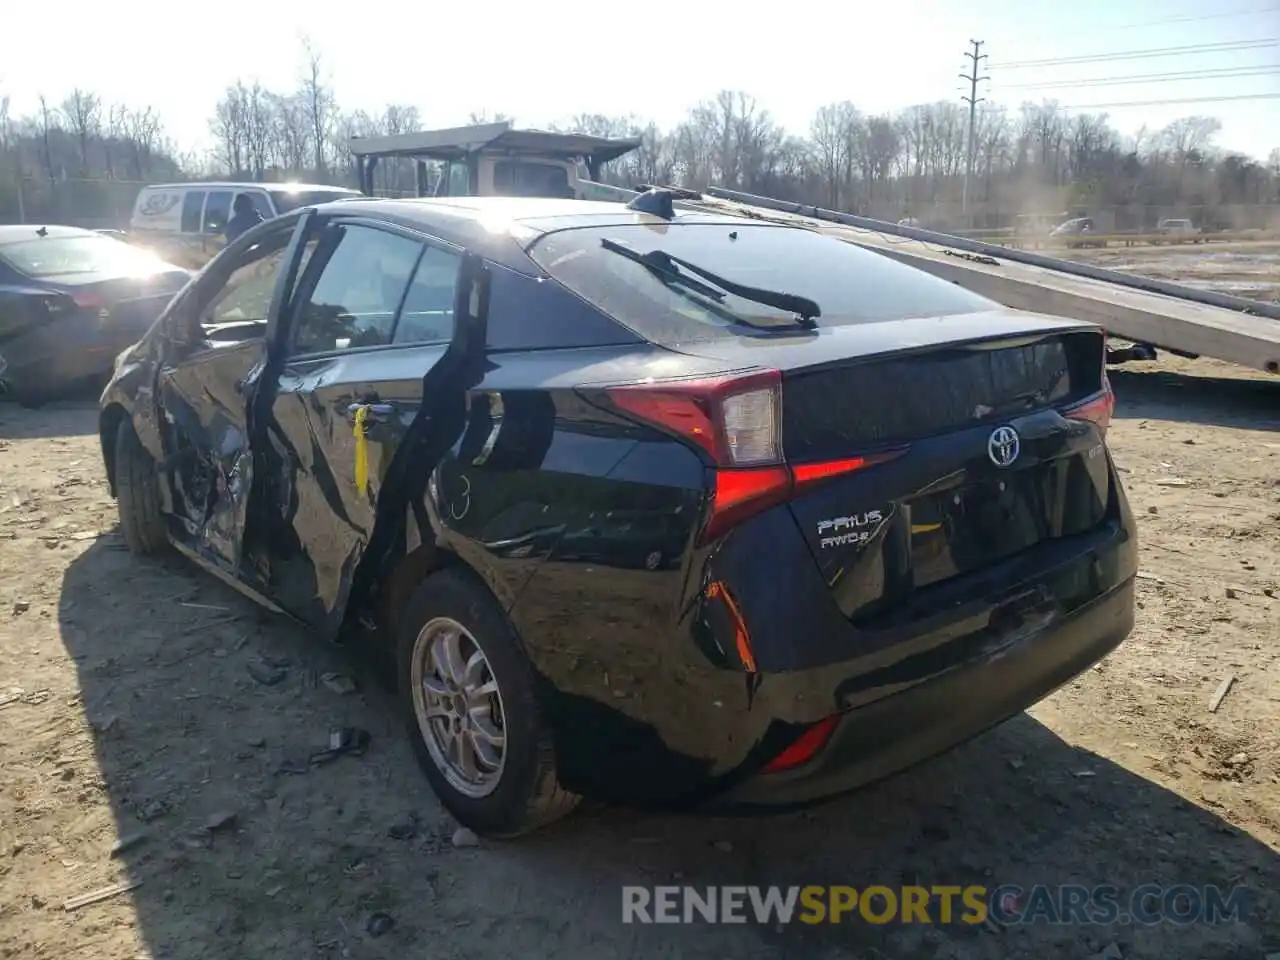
1242, 269
127, 705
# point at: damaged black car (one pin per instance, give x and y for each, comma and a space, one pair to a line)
661, 508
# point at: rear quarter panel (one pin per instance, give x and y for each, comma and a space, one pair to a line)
536, 461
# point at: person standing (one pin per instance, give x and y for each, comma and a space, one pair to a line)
244, 216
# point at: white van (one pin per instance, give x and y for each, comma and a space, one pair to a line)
193, 215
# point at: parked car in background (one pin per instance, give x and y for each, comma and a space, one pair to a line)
632, 501
1178, 231
185, 218
70, 301
1077, 232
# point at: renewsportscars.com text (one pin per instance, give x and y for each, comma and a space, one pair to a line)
941, 904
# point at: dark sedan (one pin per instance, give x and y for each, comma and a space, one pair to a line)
662, 508
70, 301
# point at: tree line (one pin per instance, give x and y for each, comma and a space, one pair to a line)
82, 158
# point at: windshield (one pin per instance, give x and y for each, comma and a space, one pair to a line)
92, 253
850, 284
286, 201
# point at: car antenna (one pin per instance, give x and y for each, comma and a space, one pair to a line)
660, 203
42, 232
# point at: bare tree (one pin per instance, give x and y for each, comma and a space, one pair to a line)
318, 99
229, 127
4, 123
482, 116
143, 131
83, 112
48, 124
258, 119
831, 134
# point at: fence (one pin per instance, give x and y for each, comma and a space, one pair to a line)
94, 204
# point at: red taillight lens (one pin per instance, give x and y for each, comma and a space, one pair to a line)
742, 493
88, 301
1097, 410
806, 746
737, 420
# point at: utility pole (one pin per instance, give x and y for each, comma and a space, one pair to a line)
973, 100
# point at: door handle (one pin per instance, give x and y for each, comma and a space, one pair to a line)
374, 412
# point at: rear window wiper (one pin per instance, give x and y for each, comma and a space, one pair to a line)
668, 269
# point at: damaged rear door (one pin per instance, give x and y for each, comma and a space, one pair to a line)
372, 325
216, 355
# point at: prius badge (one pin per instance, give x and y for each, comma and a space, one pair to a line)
1003, 446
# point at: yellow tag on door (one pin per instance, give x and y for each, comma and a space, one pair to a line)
362, 450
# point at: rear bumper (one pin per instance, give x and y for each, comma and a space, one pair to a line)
64, 354
900, 730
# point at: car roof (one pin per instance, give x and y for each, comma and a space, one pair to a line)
486, 224
15, 233
243, 185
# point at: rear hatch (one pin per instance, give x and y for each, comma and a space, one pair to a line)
987, 456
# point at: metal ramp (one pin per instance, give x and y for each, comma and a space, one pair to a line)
1174, 317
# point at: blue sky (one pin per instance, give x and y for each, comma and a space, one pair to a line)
542, 62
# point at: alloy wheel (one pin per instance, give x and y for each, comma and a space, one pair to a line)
459, 707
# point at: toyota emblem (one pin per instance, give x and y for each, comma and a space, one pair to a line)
1003, 446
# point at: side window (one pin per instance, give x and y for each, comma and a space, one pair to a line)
263, 204
192, 204
354, 300
217, 211
427, 314
244, 297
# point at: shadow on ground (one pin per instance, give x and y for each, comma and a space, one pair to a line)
1251, 403
186, 738
73, 417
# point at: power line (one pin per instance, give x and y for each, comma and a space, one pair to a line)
1228, 46
1158, 23
1161, 103
1212, 73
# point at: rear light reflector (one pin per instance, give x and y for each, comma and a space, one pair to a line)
88, 301
1097, 410
741, 493
805, 747
807, 473
737, 421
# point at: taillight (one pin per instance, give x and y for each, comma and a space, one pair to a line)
805, 747
737, 420
1097, 410
86, 300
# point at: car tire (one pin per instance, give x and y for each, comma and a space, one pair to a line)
138, 494
519, 793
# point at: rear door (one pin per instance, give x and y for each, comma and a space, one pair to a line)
373, 318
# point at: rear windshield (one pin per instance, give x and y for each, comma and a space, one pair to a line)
68, 256
850, 284
286, 201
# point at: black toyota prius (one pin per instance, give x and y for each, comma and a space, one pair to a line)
662, 508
